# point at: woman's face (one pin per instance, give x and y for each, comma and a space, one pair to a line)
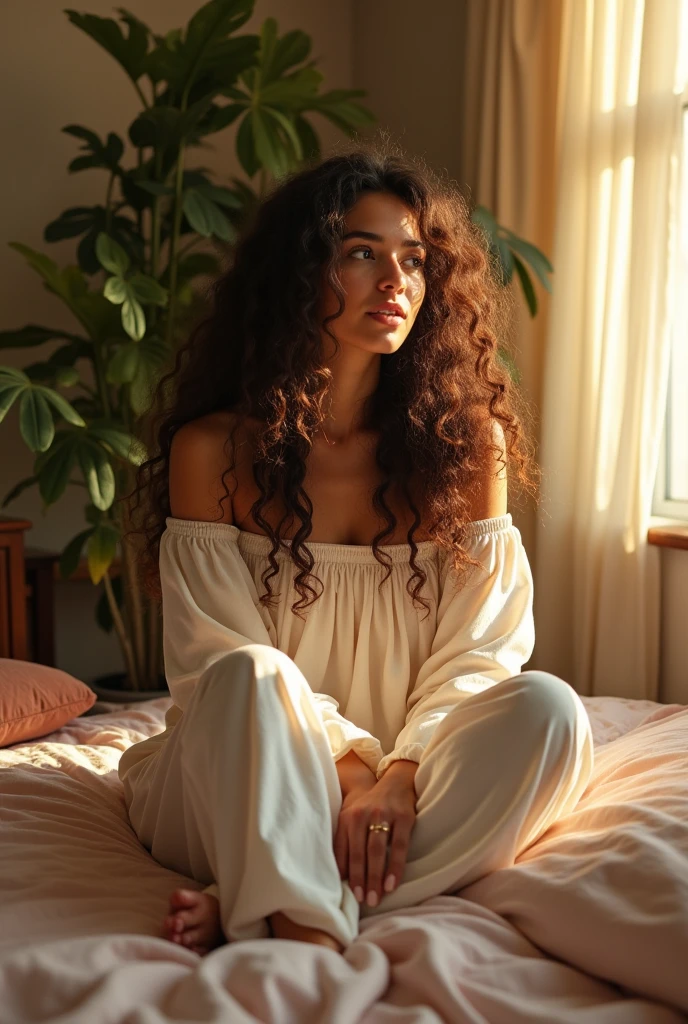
381, 261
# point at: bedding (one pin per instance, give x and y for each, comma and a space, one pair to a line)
589, 925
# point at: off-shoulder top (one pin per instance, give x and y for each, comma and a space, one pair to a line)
383, 673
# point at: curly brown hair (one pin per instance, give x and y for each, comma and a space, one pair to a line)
439, 395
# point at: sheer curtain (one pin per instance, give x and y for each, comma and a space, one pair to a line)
605, 373
507, 153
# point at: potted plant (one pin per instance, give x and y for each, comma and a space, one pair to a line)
133, 292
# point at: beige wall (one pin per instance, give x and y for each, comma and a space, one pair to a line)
54, 75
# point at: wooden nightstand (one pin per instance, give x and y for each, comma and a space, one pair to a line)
27, 598
13, 590
41, 572
27, 594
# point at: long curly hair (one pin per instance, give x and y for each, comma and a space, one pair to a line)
439, 395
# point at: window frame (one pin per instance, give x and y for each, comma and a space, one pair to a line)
662, 504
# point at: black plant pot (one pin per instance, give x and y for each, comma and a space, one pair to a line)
109, 688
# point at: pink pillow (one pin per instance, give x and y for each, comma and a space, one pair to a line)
37, 699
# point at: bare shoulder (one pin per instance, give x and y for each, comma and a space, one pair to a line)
489, 501
200, 453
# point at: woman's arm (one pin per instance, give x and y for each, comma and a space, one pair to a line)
353, 773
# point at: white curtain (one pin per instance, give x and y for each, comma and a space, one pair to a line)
597, 589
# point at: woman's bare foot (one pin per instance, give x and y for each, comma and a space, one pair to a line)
282, 927
194, 921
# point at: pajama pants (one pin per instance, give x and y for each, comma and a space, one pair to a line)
245, 792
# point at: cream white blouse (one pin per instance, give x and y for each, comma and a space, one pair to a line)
383, 674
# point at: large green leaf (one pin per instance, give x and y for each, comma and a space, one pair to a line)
486, 220
209, 25
219, 118
293, 48
35, 420
69, 224
111, 255
115, 290
66, 411
147, 290
90, 222
8, 395
101, 549
293, 93
290, 133
527, 285
166, 126
98, 474
124, 445
204, 50
221, 196
506, 260
54, 468
339, 107
32, 334
310, 143
269, 152
96, 153
245, 147
153, 356
18, 489
537, 259
129, 51
71, 555
205, 216
122, 367
70, 285
133, 318
103, 613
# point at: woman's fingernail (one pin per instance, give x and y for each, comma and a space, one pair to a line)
358, 893
390, 882
372, 899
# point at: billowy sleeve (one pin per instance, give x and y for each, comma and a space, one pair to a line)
485, 632
211, 606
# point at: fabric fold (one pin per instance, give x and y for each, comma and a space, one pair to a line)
485, 634
384, 673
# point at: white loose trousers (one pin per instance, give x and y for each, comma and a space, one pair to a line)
245, 792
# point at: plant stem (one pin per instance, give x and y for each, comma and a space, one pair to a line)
141, 96
155, 234
108, 200
100, 377
176, 227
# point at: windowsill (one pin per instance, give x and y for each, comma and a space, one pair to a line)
668, 533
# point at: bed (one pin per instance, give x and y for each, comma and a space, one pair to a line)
590, 924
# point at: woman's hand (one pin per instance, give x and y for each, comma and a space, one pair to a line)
361, 855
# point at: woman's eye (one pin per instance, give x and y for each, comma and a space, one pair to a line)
420, 262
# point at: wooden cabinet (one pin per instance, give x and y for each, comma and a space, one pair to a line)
27, 598
13, 589
27, 594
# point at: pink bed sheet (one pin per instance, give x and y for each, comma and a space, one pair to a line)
589, 925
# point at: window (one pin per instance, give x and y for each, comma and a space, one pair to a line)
671, 491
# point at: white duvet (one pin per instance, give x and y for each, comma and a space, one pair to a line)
590, 924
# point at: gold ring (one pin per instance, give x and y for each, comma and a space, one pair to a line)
383, 826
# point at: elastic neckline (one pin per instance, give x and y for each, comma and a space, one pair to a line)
258, 543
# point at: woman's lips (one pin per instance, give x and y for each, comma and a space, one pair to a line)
390, 320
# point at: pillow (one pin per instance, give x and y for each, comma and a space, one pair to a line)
37, 699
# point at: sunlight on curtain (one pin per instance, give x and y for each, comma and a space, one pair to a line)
608, 344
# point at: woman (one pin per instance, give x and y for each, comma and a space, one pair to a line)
340, 419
